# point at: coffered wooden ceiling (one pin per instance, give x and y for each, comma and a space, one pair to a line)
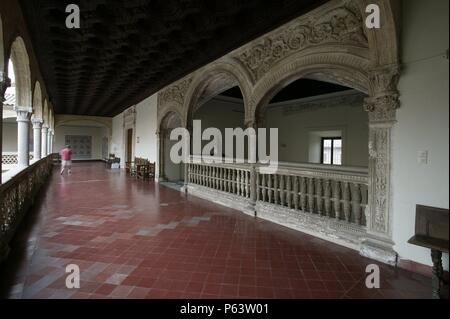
127, 50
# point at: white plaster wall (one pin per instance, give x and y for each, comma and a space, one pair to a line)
96, 134
9, 138
146, 127
422, 122
145, 131
297, 131
116, 145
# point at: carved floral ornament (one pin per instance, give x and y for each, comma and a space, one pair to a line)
343, 25
384, 99
175, 93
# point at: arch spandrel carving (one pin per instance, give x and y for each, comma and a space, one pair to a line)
338, 23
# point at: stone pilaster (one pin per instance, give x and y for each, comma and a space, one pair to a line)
160, 137
381, 105
23, 122
37, 135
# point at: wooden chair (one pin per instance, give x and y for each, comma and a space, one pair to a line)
146, 170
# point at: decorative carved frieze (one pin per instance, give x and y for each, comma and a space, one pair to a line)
342, 25
175, 93
352, 100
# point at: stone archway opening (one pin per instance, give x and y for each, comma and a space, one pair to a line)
318, 123
168, 170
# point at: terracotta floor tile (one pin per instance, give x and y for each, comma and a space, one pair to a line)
134, 239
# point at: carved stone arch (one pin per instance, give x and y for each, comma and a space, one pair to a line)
20, 59
166, 116
338, 68
168, 119
213, 80
383, 42
37, 102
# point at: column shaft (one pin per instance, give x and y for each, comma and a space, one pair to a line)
37, 125
23, 151
44, 132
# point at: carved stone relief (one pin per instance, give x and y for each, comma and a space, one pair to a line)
341, 25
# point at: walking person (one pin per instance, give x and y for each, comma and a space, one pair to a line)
66, 159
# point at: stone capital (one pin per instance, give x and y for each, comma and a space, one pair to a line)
23, 113
44, 128
383, 100
37, 123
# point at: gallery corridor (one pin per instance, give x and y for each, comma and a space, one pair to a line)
135, 239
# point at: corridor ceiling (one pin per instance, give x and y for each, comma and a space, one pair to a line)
127, 50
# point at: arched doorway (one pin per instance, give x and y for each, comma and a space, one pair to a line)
168, 170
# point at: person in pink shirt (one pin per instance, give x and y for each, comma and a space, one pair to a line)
66, 159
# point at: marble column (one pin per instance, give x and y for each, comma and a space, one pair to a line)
44, 141
381, 104
23, 124
49, 141
5, 82
37, 126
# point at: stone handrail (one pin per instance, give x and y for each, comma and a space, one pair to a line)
17, 195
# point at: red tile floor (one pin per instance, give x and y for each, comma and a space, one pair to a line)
135, 239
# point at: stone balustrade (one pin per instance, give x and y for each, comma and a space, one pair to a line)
327, 201
331, 191
233, 179
17, 195
10, 158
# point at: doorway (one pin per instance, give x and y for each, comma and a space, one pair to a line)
129, 145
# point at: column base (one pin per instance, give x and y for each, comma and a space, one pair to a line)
379, 249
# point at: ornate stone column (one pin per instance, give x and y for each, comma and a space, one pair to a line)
186, 165
44, 140
5, 82
23, 122
253, 154
37, 126
381, 105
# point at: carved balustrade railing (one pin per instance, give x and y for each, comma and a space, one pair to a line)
229, 178
17, 195
10, 158
332, 191
335, 192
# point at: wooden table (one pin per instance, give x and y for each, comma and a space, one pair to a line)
432, 231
